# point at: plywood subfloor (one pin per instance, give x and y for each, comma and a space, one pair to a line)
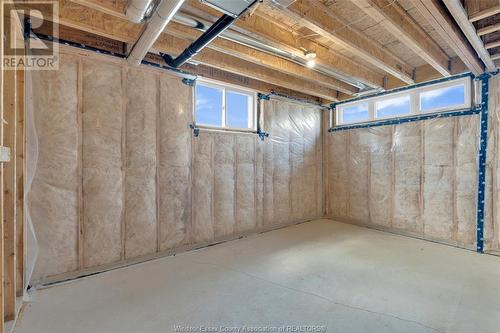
347, 278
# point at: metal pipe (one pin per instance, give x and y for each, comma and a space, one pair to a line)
266, 46
159, 20
209, 35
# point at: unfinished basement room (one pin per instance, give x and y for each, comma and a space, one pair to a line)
230, 166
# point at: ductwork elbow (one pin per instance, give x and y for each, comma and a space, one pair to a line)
163, 14
137, 9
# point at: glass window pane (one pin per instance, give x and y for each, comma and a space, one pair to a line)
394, 107
238, 107
208, 105
355, 113
442, 98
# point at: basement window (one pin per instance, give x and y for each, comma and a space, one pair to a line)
454, 95
223, 106
393, 107
440, 97
354, 113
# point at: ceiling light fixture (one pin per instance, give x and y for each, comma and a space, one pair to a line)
310, 56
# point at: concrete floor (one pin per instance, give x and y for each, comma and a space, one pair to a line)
337, 276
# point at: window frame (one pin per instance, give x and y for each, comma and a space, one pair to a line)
467, 95
389, 97
415, 105
252, 116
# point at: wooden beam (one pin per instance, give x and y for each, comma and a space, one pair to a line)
492, 45
438, 18
264, 59
271, 34
495, 56
106, 44
484, 13
488, 29
268, 32
174, 45
400, 24
320, 19
114, 28
460, 16
90, 20
103, 6
427, 72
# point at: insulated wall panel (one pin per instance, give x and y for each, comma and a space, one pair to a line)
381, 175
338, 186
268, 166
467, 145
203, 189
407, 177
359, 169
224, 158
259, 183
174, 158
292, 162
282, 168
53, 199
492, 186
417, 178
438, 178
140, 169
102, 163
246, 219
125, 179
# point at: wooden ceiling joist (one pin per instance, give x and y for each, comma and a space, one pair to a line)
102, 24
319, 18
264, 59
174, 45
103, 6
460, 16
271, 34
492, 45
401, 25
484, 13
439, 19
488, 29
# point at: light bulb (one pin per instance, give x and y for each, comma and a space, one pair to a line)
311, 63
310, 56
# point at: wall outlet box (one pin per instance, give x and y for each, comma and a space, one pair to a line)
4, 154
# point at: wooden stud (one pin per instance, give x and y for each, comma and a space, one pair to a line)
20, 172
2, 252
9, 187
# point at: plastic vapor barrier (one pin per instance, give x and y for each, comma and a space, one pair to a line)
416, 178
492, 205
121, 178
